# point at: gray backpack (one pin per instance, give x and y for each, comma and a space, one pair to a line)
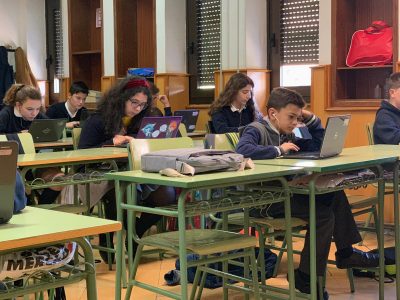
192, 161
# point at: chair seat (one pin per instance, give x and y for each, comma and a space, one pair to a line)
275, 223
202, 241
359, 201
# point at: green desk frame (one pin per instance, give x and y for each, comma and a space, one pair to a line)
126, 182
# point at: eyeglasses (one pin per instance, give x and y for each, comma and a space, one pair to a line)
135, 104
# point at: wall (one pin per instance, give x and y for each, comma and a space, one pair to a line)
23, 25
108, 38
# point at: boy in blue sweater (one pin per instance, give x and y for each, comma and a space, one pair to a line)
334, 217
387, 120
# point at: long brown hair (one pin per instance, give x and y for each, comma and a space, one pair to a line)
20, 93
232, 88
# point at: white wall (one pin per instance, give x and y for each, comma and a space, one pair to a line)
108, 37
325, 28
171, 36
23, 25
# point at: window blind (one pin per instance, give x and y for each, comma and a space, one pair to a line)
58, 40
299, 31
208, 22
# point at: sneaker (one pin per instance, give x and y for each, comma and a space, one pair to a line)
303, 286
358, 259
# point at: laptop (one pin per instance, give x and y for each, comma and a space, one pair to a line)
47, 130
159, 127
189, 118
8, 161
333, 142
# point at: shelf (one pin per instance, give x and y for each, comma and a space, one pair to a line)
365, 67
86, 52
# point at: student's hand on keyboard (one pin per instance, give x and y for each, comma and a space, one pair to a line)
121, 139
72, 124
286, 147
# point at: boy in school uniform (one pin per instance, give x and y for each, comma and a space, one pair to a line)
387, 120
333, 213
72, 108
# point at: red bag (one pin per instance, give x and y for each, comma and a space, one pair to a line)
372, 46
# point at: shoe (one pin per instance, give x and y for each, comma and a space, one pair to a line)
104, 254
303, 286
358, 259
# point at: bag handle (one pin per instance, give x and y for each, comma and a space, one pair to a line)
377, 26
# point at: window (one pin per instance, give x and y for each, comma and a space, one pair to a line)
204, 19
294, 42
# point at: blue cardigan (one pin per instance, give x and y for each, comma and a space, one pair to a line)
387, 124
59, 111
250, 140
10, 123
225, 120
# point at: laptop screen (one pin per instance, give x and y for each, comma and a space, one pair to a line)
159, 127
189, 118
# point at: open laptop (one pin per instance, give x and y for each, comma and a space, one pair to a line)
189, 118
8, 162
333, 142
159, 127
47, 130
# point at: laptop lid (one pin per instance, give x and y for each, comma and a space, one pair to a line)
159, 127
189, 118
8, 161
47, 130
335, 135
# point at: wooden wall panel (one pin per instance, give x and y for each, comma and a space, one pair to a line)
176, 87
107, 82
65, 84
146, 36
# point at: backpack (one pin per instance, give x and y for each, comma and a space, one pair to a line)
192, 161
390, 266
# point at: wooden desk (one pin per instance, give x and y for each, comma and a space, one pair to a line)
125, 181
350, 159
63, 143
35, 227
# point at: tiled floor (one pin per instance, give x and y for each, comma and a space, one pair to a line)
152, 271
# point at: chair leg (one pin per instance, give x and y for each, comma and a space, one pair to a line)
224, 279
254, 272
351, 280
202, 283
366, 224
279, 258
133, 270
196, 281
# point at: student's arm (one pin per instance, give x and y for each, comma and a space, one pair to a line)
249, 146
386, 129
4, 121
92, 135
220, 123
316, 130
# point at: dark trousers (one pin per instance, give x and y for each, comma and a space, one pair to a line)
333, 219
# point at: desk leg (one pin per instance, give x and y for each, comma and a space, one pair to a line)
313, 252
119, 256
182, 244
381, 245
91, 291
396, 224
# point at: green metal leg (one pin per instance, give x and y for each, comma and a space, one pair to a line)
133, 270
202, 283
312, 229
381, 191
279, 258
196, 280
182, 245
396, 225
254, 273
91, 291
119, 256
351, 279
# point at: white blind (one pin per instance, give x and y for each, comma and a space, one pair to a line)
299, 31
58, 40
208, 23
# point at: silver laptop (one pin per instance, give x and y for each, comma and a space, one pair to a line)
47, 130
189, 118
333, 142
8, 162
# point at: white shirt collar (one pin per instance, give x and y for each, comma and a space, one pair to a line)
234, 108
17, 113
72, 115
266, 119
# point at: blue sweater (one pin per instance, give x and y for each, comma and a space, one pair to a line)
387, 124
59, 111
10, 123
225, 120
250, 140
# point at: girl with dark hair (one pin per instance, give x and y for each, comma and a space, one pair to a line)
235, 106
115, 122
23, 105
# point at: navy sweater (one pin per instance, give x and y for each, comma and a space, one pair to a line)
387, 124
59, 111
225, 120
10, 123
250, 140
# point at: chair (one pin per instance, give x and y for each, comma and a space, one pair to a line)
220, 141
76, 135
182, 130
198, 240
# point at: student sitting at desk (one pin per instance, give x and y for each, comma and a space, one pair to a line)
154, 110
387, 120
116, 120
333, 213
72, 108
23, 104
235, 106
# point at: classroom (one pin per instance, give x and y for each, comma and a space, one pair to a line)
208, 149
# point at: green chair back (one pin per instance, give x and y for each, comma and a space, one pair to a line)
76, 135
218, 141
138, 147
27, 142
370, 133
182, 130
